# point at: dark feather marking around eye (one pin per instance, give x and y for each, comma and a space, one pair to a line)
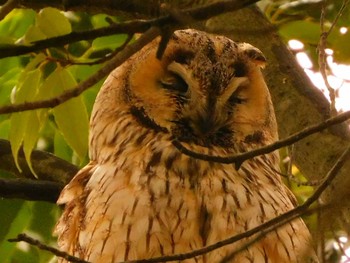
143, 119
183, 56
240, 69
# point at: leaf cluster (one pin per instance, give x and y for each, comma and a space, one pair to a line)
62, 130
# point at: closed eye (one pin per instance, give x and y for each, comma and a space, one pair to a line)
174, 82
234, 99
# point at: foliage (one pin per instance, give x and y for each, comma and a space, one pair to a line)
301, 20
62, 130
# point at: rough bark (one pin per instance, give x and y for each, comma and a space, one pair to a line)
47, 166
297, 102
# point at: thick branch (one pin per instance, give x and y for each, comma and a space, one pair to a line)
47, 166
31, 190
7, 8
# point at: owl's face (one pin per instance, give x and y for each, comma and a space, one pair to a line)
206, 90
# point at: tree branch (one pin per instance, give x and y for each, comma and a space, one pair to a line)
7, 8
321, 49
116, 61
240, 158
30, 190
130, 27
265, 227
140, 8
298, 104
262, 229
54, 251
47, 166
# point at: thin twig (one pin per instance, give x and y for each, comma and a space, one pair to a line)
54, 251
329, 178
280, 220
263, 229
197, 13
322, 56
7, 8
65, 62
322, 62
240, 158
340, 245
180, 16
292, 178
130, 27
116, 61
264, 232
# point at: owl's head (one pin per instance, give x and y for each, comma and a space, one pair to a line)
206, 89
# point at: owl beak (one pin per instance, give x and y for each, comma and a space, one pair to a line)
206, 124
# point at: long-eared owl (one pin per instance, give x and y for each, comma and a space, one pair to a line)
140, 197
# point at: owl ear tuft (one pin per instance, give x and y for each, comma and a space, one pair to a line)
254, 54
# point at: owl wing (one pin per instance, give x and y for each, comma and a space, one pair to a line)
69, 224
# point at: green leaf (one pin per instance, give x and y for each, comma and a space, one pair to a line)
61, 148
4, 129
31, 136
100, 20
53, 23
83, 72
71, 117
305, 31
24, 124
33, 33
16, 23
109, 42
8, 81
20, 219
32, 65
340, 45
7, 64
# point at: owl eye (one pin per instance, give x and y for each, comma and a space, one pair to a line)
174, 82
234, 99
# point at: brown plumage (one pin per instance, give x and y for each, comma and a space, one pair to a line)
139, 197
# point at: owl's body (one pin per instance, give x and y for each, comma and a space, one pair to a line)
140, 197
